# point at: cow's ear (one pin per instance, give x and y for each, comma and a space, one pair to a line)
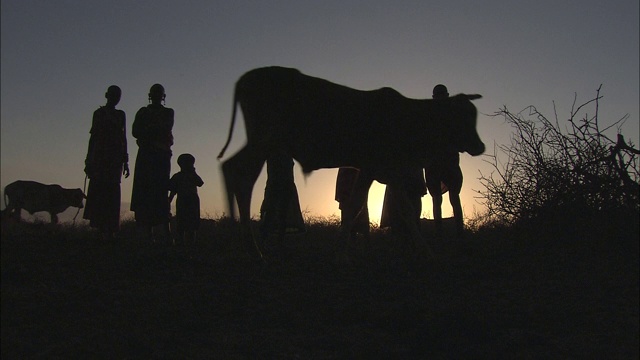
473, 96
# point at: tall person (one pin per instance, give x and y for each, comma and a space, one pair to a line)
107, 160
152, 129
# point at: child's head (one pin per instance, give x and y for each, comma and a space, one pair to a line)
186, 161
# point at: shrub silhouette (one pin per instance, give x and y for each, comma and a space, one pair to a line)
552, 169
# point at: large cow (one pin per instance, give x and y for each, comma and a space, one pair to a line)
34, 197
326, 125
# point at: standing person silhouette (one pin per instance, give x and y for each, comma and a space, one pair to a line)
185, 184
152, 129
107, 160
392, 214
444, 174
345, 182
280, 210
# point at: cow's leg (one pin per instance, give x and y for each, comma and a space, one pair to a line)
240, 174
228, 176
437, 212
454, 198
434, 182
282, 209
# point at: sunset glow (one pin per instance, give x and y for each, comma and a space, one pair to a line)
59, 58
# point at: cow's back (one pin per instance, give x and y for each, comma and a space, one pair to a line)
277, 96
34, 197
320, 122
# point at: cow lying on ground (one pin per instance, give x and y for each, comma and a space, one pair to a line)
326, 125
34, 197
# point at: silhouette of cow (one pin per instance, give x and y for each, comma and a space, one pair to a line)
325, 125
34, 197
441, 175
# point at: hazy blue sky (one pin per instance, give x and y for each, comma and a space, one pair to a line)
59, 57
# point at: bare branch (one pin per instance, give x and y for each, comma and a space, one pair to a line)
548, 166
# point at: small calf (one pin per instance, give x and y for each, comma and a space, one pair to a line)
34, 197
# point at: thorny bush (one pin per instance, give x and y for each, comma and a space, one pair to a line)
564, 169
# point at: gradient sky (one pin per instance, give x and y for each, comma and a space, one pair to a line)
59, 57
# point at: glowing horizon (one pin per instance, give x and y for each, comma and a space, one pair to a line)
59, 59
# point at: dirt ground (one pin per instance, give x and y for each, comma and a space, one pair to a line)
493, 294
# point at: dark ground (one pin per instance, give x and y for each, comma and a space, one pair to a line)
495, 294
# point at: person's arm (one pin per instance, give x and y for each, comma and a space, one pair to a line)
173, 187
197, 179
125, 160
140, 129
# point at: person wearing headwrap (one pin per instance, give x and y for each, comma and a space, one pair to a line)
152, 129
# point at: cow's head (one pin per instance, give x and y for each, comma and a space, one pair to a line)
464, 116
75, 198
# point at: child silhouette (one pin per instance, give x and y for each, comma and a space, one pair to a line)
185, 185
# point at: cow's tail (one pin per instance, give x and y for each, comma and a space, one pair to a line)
6, 198
233, 122
6, 210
